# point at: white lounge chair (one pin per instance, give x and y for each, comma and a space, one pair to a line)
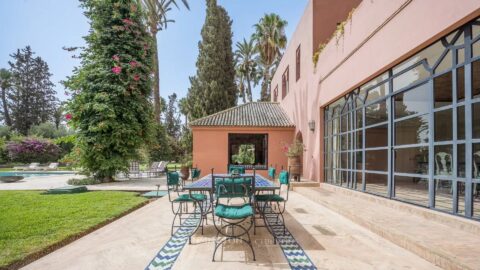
32, 167
51, 167
134, 170
162, 166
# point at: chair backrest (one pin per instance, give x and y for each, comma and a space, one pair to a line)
161, 166
227, 186
236, 168
134, 166
284, 179
53, 165
441, 159
154, 165
272, 172
173, 179
196, 173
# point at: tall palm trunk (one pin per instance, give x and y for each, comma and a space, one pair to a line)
249, 89
156, 78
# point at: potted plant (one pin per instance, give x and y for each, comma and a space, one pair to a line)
294, 152
185, 167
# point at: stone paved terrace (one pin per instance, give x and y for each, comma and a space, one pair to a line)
331, 240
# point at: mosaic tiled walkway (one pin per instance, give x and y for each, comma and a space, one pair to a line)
295, 255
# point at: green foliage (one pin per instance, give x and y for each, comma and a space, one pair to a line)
213, 88
245, 155
247, 70
32, 221
270, 41
33, 150
3, 151
110, 107
172, 117
187, 161
159, 149
48, 130
66, 144
31, 99
83, 181
5, 132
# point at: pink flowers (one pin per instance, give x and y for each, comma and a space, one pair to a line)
116, 58
127, 21
117, 70
136, 77
133, 64
68, 116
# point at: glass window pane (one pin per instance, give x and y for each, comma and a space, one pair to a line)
442, 90
412, 131
443, 125
359, 139
476, 79
336, 177
410, 77
476, 49
460, 84
411, 160
345, 142
358, 160
376, 113
443, 195
376, 160
430, 54
344, 160
445, 64
377, 92
344, 122
476, 120
443, 160
376, 136
461, 123
359, 185
460, 56
376, 183
461, 160
359, 119
475, 30
476, 160
461, 198
336, 125
476, 200
413, 101
375, 81
412, 189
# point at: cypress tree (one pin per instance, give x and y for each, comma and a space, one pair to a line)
213, 88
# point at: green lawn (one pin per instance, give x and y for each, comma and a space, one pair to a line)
30, 221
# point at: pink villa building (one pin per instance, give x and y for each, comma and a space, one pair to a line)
385, 95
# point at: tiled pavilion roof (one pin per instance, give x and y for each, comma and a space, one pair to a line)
253, 114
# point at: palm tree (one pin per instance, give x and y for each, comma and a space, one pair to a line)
156, 16
5, 84
246, 68
270, 41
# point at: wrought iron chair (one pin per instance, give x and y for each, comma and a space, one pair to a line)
233, 216
443, 164
476, 172
195, 174
180, 203
272, 206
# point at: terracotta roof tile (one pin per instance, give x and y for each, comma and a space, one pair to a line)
253, 114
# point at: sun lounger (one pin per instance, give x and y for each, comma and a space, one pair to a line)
32, 167
51, 167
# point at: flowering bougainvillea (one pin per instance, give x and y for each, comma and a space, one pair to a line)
33, 150
111, 111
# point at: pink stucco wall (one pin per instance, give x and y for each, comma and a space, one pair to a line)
380, 35
210, 146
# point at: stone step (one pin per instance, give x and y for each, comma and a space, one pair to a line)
445, 240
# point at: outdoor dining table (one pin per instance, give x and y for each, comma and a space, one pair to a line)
205, 183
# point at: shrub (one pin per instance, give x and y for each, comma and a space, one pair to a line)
5, 132
66, 144
33, 150
48, 130
83, 181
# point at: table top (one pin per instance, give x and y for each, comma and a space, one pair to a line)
205, 183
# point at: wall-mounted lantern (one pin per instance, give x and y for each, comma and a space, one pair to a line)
311, 125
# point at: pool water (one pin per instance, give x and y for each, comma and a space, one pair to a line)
33, 174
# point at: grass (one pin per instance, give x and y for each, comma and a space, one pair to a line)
31, 222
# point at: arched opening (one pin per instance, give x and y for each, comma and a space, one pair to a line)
296, 165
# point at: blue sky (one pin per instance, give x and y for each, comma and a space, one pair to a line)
48, 25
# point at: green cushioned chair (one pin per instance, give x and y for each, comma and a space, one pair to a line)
236, 168
274, 204
195, 173
235, 219
180, 204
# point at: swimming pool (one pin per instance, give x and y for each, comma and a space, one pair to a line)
34, 174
